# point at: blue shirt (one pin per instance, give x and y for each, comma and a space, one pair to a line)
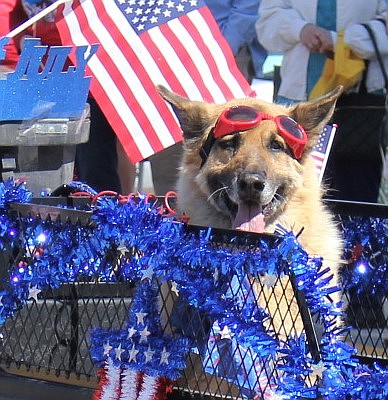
236, 19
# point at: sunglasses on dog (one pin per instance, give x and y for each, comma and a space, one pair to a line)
242, 118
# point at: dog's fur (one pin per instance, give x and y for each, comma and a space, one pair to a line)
287, 190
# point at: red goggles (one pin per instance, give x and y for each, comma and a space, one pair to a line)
241, 118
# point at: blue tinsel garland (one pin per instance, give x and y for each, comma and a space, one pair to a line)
63, 252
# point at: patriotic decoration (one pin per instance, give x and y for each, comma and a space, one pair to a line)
238, 362
140, 362
145, 43
321, 150
207, 278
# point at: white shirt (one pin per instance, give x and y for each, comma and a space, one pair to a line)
281, 21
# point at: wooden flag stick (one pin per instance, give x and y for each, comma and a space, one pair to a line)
35, 18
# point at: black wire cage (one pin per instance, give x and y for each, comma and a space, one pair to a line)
50, 336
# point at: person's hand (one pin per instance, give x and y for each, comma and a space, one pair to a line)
316, 39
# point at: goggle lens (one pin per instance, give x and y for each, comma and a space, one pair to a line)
241, 113
291, 127
241, 118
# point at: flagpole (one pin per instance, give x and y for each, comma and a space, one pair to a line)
35, 18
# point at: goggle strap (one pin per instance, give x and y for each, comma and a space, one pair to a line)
206, 147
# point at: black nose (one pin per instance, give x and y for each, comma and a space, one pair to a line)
250, 185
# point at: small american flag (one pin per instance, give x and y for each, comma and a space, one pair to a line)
321, 150
144, 43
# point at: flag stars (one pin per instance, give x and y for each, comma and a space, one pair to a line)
129, 10
170, 4
167, 13
154, 20
180, 8
131, 2
157, 11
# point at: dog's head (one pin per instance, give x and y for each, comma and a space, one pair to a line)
248, 156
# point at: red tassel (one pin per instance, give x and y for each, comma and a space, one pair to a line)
101, 375
164, 387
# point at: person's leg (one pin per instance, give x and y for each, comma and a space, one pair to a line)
96, 161
126, 170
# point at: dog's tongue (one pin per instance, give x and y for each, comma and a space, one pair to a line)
249, 218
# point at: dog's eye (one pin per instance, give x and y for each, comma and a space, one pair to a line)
229, 142
276, 144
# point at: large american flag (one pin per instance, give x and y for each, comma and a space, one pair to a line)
144, 43
321, 150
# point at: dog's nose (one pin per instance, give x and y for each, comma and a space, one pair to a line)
250, 185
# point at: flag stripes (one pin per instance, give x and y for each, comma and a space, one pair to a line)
188, 54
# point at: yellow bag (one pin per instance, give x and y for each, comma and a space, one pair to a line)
346, 70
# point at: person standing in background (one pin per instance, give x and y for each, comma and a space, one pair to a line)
236, 19
306, 33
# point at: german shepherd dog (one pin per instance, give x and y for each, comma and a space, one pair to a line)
247, 165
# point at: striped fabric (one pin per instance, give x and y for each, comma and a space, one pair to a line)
144, 43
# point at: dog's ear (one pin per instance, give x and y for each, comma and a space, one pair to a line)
193, 116
315, 114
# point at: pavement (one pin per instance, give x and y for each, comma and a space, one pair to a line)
14, 387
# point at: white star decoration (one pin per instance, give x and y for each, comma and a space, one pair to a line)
317, 370
131, 332
133, 353
164, 357
107, 349
225, 333
269, 280
216, 275
122, 248
140, 317
148, 355
147, 273
119, 351
174, 288
143, 335
33, 293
